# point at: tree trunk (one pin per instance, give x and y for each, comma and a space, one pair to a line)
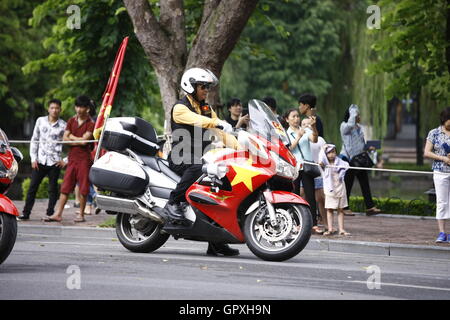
419, 142
448, 36
164, 41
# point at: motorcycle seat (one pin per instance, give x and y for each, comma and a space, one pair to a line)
160, 165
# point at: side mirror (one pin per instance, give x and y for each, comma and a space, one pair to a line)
17, 154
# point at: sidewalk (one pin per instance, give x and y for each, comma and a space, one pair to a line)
379, 234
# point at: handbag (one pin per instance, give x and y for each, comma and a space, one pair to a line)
362, 160
310, 169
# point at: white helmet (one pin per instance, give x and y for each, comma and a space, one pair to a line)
197, 76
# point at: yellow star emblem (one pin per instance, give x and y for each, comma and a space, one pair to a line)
245, 176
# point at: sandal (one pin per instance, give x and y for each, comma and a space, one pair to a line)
50, 219
317, 230
344, 233
349, 213
79, 219
373, 211
329, 232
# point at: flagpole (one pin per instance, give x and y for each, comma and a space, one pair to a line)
97, 152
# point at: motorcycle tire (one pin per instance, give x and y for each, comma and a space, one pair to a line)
149, 241
261, 237
8, 234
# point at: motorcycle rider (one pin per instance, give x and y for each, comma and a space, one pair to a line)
190, 119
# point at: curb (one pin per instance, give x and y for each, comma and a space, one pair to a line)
396, 216
345, 246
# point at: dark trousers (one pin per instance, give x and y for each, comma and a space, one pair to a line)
310, 192
36, 178
189, 174
363, 179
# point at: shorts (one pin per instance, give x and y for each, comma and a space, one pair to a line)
318, 183
76, 173
335, 202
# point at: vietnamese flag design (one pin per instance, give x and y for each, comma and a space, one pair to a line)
110, 91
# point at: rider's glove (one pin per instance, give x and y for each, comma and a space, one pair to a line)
225, 126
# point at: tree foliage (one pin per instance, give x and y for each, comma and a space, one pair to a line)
83, 57
286, 49
414, 50
20, 95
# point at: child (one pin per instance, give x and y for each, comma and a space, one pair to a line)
334, 187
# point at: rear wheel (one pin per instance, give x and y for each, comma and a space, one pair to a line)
284, 241
139, 234
8, 234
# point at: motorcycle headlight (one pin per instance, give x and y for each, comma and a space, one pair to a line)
284, 168
12, 173
9, 173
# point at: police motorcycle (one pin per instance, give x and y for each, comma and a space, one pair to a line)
244, 196
9, 159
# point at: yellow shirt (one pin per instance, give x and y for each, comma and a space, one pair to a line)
183, 115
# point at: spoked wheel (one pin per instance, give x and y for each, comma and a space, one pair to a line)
139, 234
8, 234
283, 241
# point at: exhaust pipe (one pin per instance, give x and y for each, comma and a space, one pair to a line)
108, 203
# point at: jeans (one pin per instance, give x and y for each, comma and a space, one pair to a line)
36, 178
442, 187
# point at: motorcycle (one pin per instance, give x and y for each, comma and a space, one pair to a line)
9, 159
244, 196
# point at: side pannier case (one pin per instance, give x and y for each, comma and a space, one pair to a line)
130, 132
118, 173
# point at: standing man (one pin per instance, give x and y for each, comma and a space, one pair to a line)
307, 107
272, 103
45, 157
78, 130
188, 116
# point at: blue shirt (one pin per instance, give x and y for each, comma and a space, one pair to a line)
303, 144
441, 146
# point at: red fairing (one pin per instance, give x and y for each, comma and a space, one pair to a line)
7, 159
284, 197
279, 148
8, 206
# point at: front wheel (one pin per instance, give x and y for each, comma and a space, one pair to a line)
8, 234
281, 242
139, 234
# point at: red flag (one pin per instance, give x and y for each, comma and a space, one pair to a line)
110, 91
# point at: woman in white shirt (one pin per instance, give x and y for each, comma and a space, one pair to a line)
300, 139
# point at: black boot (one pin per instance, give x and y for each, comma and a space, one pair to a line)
175, 212
215, 249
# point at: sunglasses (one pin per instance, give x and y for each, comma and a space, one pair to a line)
206, 86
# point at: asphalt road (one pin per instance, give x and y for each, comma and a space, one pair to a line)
55, 267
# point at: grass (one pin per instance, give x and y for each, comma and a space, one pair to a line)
108, 223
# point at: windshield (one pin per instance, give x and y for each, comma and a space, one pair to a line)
3, 141
264, 122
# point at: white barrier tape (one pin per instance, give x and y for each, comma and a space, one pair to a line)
48, 141
312, 163
383, 170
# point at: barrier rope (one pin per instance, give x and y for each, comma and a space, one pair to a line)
382, 170
311, 163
